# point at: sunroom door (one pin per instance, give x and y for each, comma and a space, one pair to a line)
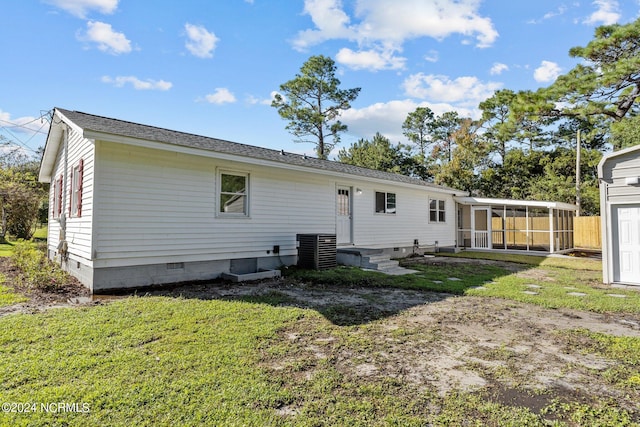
481, 228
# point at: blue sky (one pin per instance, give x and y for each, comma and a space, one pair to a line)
211, 67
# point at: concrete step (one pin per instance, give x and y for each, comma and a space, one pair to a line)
398, 271
372, 259
384, 265
378, 262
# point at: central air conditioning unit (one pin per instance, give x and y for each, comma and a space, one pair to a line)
316, 251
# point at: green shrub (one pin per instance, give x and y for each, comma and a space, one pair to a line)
37, 272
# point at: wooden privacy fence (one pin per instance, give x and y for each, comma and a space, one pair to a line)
587, 233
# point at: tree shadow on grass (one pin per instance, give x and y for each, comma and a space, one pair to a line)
349, 306
345, 296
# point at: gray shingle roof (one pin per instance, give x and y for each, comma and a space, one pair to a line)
151, 133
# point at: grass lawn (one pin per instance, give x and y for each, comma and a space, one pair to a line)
41, 233
144, 362
155, 361
573, 263
168, 361
556, 282
6, 247
547, 281
7, 296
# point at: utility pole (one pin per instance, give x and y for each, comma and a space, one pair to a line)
578, 146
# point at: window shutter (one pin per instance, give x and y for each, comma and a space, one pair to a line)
60, 196
70, 190
80, 176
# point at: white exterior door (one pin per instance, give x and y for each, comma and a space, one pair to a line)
626, 248
344, 220
480, 228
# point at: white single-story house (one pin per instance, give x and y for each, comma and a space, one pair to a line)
134, 205
619, 175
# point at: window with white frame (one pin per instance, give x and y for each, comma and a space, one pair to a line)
385, 202
437, 211
75, 208
233, 194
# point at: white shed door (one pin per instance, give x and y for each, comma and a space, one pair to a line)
627, 268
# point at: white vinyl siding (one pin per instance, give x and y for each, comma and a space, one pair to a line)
79, 233
158, 206
410, 222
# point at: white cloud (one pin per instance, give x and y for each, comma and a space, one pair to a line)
498, 68
26, 124
220, 96
107, 39
80, 8
12, 150
387, 117
547, 72
253, 100
201, 42
370, 59
330, 20
463, 91
418, 18
383, 117
432, 56
137, 84
607, 13
389, 27
561, 10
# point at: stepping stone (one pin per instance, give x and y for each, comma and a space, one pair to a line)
437, 281
570, 288
617, 295
576, 294
530, 292
455, 279
534, 286
480, 288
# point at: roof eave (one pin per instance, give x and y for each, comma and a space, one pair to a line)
146, 143
51, 147
509, 202
609, 156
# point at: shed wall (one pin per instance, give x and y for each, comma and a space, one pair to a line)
615, 193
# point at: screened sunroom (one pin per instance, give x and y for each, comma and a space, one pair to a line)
518, 225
